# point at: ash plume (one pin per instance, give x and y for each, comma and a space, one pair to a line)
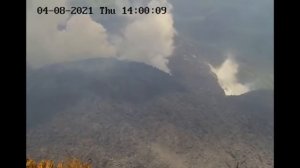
227, 77
60, 38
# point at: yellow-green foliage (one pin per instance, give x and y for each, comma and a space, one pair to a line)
71, 163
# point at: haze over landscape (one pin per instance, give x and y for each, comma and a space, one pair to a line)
190, 88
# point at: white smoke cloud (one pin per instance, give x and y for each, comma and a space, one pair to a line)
227, 77
59, 38
148, 39
47, 44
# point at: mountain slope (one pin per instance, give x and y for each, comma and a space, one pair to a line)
124, 114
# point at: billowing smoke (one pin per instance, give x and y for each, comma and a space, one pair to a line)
48, 42
59, 38
227, 77
148, 39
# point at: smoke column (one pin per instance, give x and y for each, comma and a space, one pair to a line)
227, 77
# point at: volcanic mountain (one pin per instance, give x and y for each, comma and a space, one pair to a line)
132, 115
